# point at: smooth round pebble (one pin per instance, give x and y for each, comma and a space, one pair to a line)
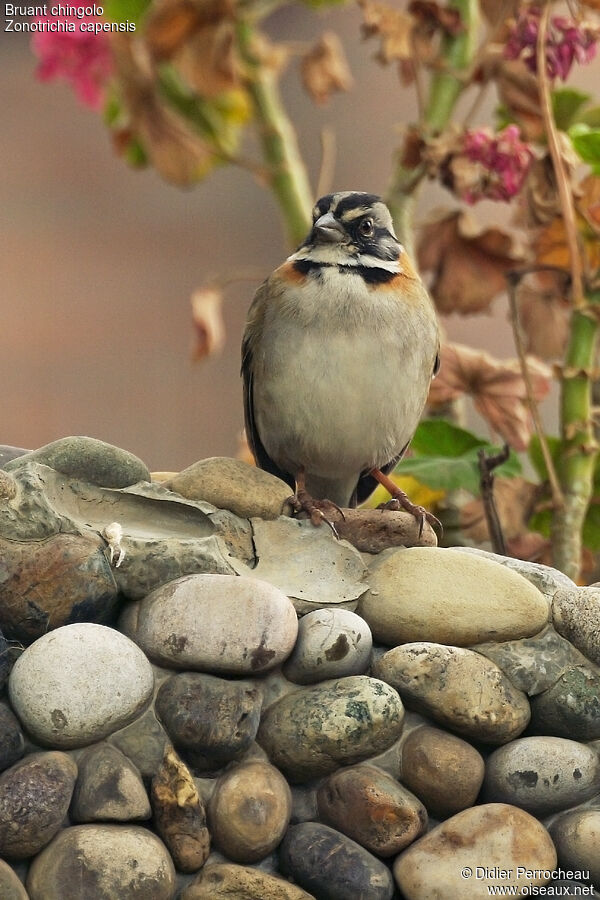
224, 624
34, 799
144, 742
211, 720
109, 788
103, 861
331, 643
235, 485
443, 865
542, 774
576, 836
227, 881
11, 887
332, 866
458, 688
312, 732
87, 459
443, 771
79, 683
249, 811
370, 806
441, 595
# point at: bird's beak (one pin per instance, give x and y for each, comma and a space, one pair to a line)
327, 230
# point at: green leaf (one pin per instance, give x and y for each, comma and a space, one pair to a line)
446, 457
566, 104
125, 10
437, 437
541, 522
590, 117
537, 458
586, 142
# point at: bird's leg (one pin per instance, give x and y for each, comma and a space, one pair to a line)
301, 501
399, 500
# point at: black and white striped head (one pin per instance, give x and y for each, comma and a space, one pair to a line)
353, 228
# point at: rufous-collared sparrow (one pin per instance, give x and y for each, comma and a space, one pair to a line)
340, 346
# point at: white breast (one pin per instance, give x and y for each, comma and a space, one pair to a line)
341, 378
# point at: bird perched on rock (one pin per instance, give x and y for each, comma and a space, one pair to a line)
339, 349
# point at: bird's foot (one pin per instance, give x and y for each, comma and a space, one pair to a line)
316, 510
400, 500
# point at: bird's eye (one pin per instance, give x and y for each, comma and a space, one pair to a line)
367, 228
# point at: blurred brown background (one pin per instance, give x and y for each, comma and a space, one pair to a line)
98, 261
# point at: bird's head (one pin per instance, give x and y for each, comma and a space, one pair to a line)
350, 226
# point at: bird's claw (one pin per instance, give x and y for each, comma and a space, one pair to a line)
302, 502
421, 514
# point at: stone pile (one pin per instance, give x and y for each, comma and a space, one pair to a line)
205, 698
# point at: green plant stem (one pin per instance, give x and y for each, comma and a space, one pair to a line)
286, 170
579, 448
446, 87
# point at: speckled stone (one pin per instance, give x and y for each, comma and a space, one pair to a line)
332, 866
576, 836
11, 888
34, 798
45, 584
314, 731
441, 595
87, 459
179, 814
109, 788
227, 881
103, 861
210, 720
370, 806
571, 707
576, 614
443, 771
458, 688
221, 624
8, 452
79, 683
494, 837
12, 744
235, 485
542, 775
249, 811
331, 643
143, 742
533, 664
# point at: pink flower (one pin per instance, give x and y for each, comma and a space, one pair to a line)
566, 43
80, 57
503, 159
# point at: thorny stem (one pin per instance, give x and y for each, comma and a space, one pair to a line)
446, 87
287, 173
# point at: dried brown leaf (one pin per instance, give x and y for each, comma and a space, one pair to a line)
496, 386
208, 61
493, 10
325, 68
544, 313
171, 23
551, 246
430, 17
392, 26
207, 316
518, 91
468, 262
